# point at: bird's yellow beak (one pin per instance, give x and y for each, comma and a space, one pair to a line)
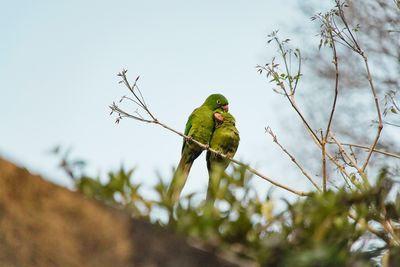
225, 108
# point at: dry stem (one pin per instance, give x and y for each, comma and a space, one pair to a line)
351, 159
356, 48
335, 62
275, 140
389, 154
378, 110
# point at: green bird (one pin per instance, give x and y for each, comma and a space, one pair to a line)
199, 127
225, 139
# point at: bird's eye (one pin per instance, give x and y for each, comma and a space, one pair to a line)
218, 102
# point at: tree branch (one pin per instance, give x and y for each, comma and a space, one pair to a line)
356, 48
335, 62
378, 110
275, 140
351, 159
389, 154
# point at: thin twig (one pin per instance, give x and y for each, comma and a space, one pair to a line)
130, 99
389, 154
132, 89
394, 102
275, 140
297, 54
328, 127
324, 172
344, 153
292, 102
351, 159
391, 124
353, 154
359, 51
338, 165
378, 110
271, 71
335, 62
340, 35
123, 114
345, 180
342, 170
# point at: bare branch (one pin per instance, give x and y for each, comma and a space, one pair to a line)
356, 48
344, 152
324, 172
335, 62
391, 124
340, 167
390, 154
123, 114
378, 111
351, 159
328, 127
275, 140
142, 103
298, 55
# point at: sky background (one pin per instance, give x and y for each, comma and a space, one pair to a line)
59, 61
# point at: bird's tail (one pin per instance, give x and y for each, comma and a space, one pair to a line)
215, 171
179, 179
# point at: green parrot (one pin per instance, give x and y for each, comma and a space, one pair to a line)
200, 127
225, 139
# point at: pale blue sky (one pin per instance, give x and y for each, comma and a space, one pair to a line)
59, 61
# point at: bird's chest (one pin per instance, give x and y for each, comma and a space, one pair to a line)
227, 140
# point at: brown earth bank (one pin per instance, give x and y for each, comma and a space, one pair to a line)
42, 224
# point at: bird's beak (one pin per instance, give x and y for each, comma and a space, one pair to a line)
225, 108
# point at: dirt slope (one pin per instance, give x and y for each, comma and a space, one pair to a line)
42, 225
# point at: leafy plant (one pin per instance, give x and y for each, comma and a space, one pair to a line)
344, 227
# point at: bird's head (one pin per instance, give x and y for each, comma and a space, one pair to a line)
216, 101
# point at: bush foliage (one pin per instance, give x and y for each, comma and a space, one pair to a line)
344, 227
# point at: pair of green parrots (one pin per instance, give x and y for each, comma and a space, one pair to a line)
210, 124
